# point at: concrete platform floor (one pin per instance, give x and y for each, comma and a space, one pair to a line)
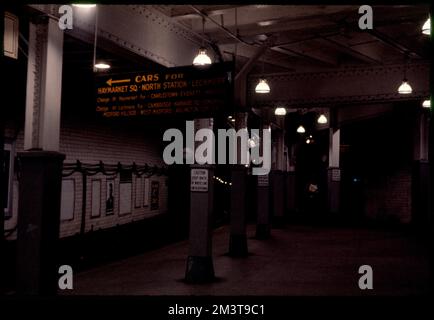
297, 260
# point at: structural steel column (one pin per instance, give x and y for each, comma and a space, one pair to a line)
2, 167
431, 154
334, 171
290, 182
262, 200
277, 176
41, 164
421, 171
199, 262
238, 237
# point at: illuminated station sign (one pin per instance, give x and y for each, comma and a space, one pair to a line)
180, 90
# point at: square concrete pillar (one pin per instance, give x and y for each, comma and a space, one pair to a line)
334, 171
263, 207
290, 192
200, 266
199, 262
238, 237
40, 173
277, 197
40, 181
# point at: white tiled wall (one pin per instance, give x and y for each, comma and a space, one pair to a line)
94, 143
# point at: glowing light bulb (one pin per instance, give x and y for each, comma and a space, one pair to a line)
322, 119
262, 86
301, 129
202, 58
405, 87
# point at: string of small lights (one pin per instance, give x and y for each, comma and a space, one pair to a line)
218, 179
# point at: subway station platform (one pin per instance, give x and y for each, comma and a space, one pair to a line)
296, 261
118, 142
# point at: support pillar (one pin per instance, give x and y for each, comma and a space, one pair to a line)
2, 167
277, 197
263, 223
238, 236
334, 171
262, 200
290, 182
200, 266
421, 172
277, 177
430, 225
41, 164
38, 221
2, 202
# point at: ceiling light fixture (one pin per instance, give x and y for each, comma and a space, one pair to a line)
301, 129
280, 111
426, 29
426, 103
405, 87
202, 59
84, 6
322, 119
266, 23
100, 65
262, 86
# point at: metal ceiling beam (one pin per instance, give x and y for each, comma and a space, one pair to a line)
393, 44
286, 66
178, 48
308, 56
210, 11
350, 51
272, 15
254, 30
345, 85
249, 64
104, 44
247, 52
227, 31
240, 81
313, 28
